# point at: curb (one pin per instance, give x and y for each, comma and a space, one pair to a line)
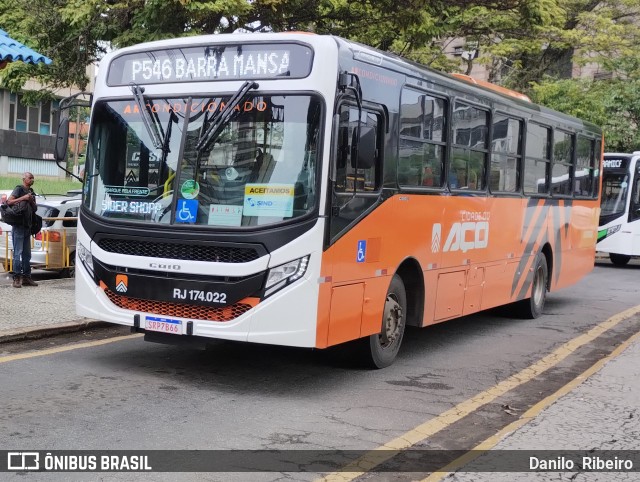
35, 332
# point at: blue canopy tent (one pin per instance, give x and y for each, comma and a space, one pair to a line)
12, 50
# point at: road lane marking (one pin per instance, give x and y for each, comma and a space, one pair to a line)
529, 415
385, 452
60, 349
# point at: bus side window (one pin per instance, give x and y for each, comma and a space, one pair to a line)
470, 131
366, 176
423, 128
634, 211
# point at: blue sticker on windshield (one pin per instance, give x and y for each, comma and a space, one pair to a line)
187, 211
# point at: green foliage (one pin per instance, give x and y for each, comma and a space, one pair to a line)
525, 44
75, 33
570, 35
612, 104
42, 186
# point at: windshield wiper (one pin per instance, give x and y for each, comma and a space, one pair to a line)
147, 118
167, 136
219, 121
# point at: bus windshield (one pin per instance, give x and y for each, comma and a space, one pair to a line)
615, 186
153, 166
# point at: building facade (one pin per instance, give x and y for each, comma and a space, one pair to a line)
28, 133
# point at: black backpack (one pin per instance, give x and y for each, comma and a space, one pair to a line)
13, 215
36, 223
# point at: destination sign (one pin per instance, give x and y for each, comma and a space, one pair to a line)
615, 163
212, 62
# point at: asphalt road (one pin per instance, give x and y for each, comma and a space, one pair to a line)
130, 394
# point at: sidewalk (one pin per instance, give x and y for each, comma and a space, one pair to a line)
31, 312
600, 414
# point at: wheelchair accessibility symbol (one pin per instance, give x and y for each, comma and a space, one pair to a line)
186, 211
362, 251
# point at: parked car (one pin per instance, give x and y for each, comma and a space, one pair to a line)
53, 248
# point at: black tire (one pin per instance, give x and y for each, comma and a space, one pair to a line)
381, 349
619, 259
532, 307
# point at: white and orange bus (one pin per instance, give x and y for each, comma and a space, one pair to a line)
305, 190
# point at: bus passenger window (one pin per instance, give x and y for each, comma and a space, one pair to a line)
472, 182
584, 171
506, 154
348, 177
422, 139
470, 147
561, 171
537, 160
427, 176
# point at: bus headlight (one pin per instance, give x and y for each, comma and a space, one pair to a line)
613, 229
84, 255
285, 274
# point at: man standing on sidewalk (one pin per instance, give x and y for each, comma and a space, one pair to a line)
21, 233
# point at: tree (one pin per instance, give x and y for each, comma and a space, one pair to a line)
613, 104
574, 32
75, 33
525, 43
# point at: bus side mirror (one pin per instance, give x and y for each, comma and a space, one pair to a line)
62, 140
366, 148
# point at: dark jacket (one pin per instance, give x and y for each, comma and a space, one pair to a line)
29, 208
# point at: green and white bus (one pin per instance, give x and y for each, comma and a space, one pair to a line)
619, 230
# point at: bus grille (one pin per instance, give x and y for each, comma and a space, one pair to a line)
193, 252
194, 312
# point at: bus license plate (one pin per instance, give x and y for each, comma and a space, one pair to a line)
163, 325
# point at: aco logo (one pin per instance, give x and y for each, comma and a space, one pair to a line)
463, 236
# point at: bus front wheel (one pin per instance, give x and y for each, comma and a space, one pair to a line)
619, 259
532, 307
381, 349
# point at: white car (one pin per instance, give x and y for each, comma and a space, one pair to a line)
53, 248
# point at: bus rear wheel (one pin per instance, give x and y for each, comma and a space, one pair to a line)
531, 308
619, 259
382, 348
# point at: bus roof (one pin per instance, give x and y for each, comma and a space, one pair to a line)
497, 88
459, 82
365, 53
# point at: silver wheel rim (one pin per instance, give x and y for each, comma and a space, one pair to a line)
538, 286
392, 321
